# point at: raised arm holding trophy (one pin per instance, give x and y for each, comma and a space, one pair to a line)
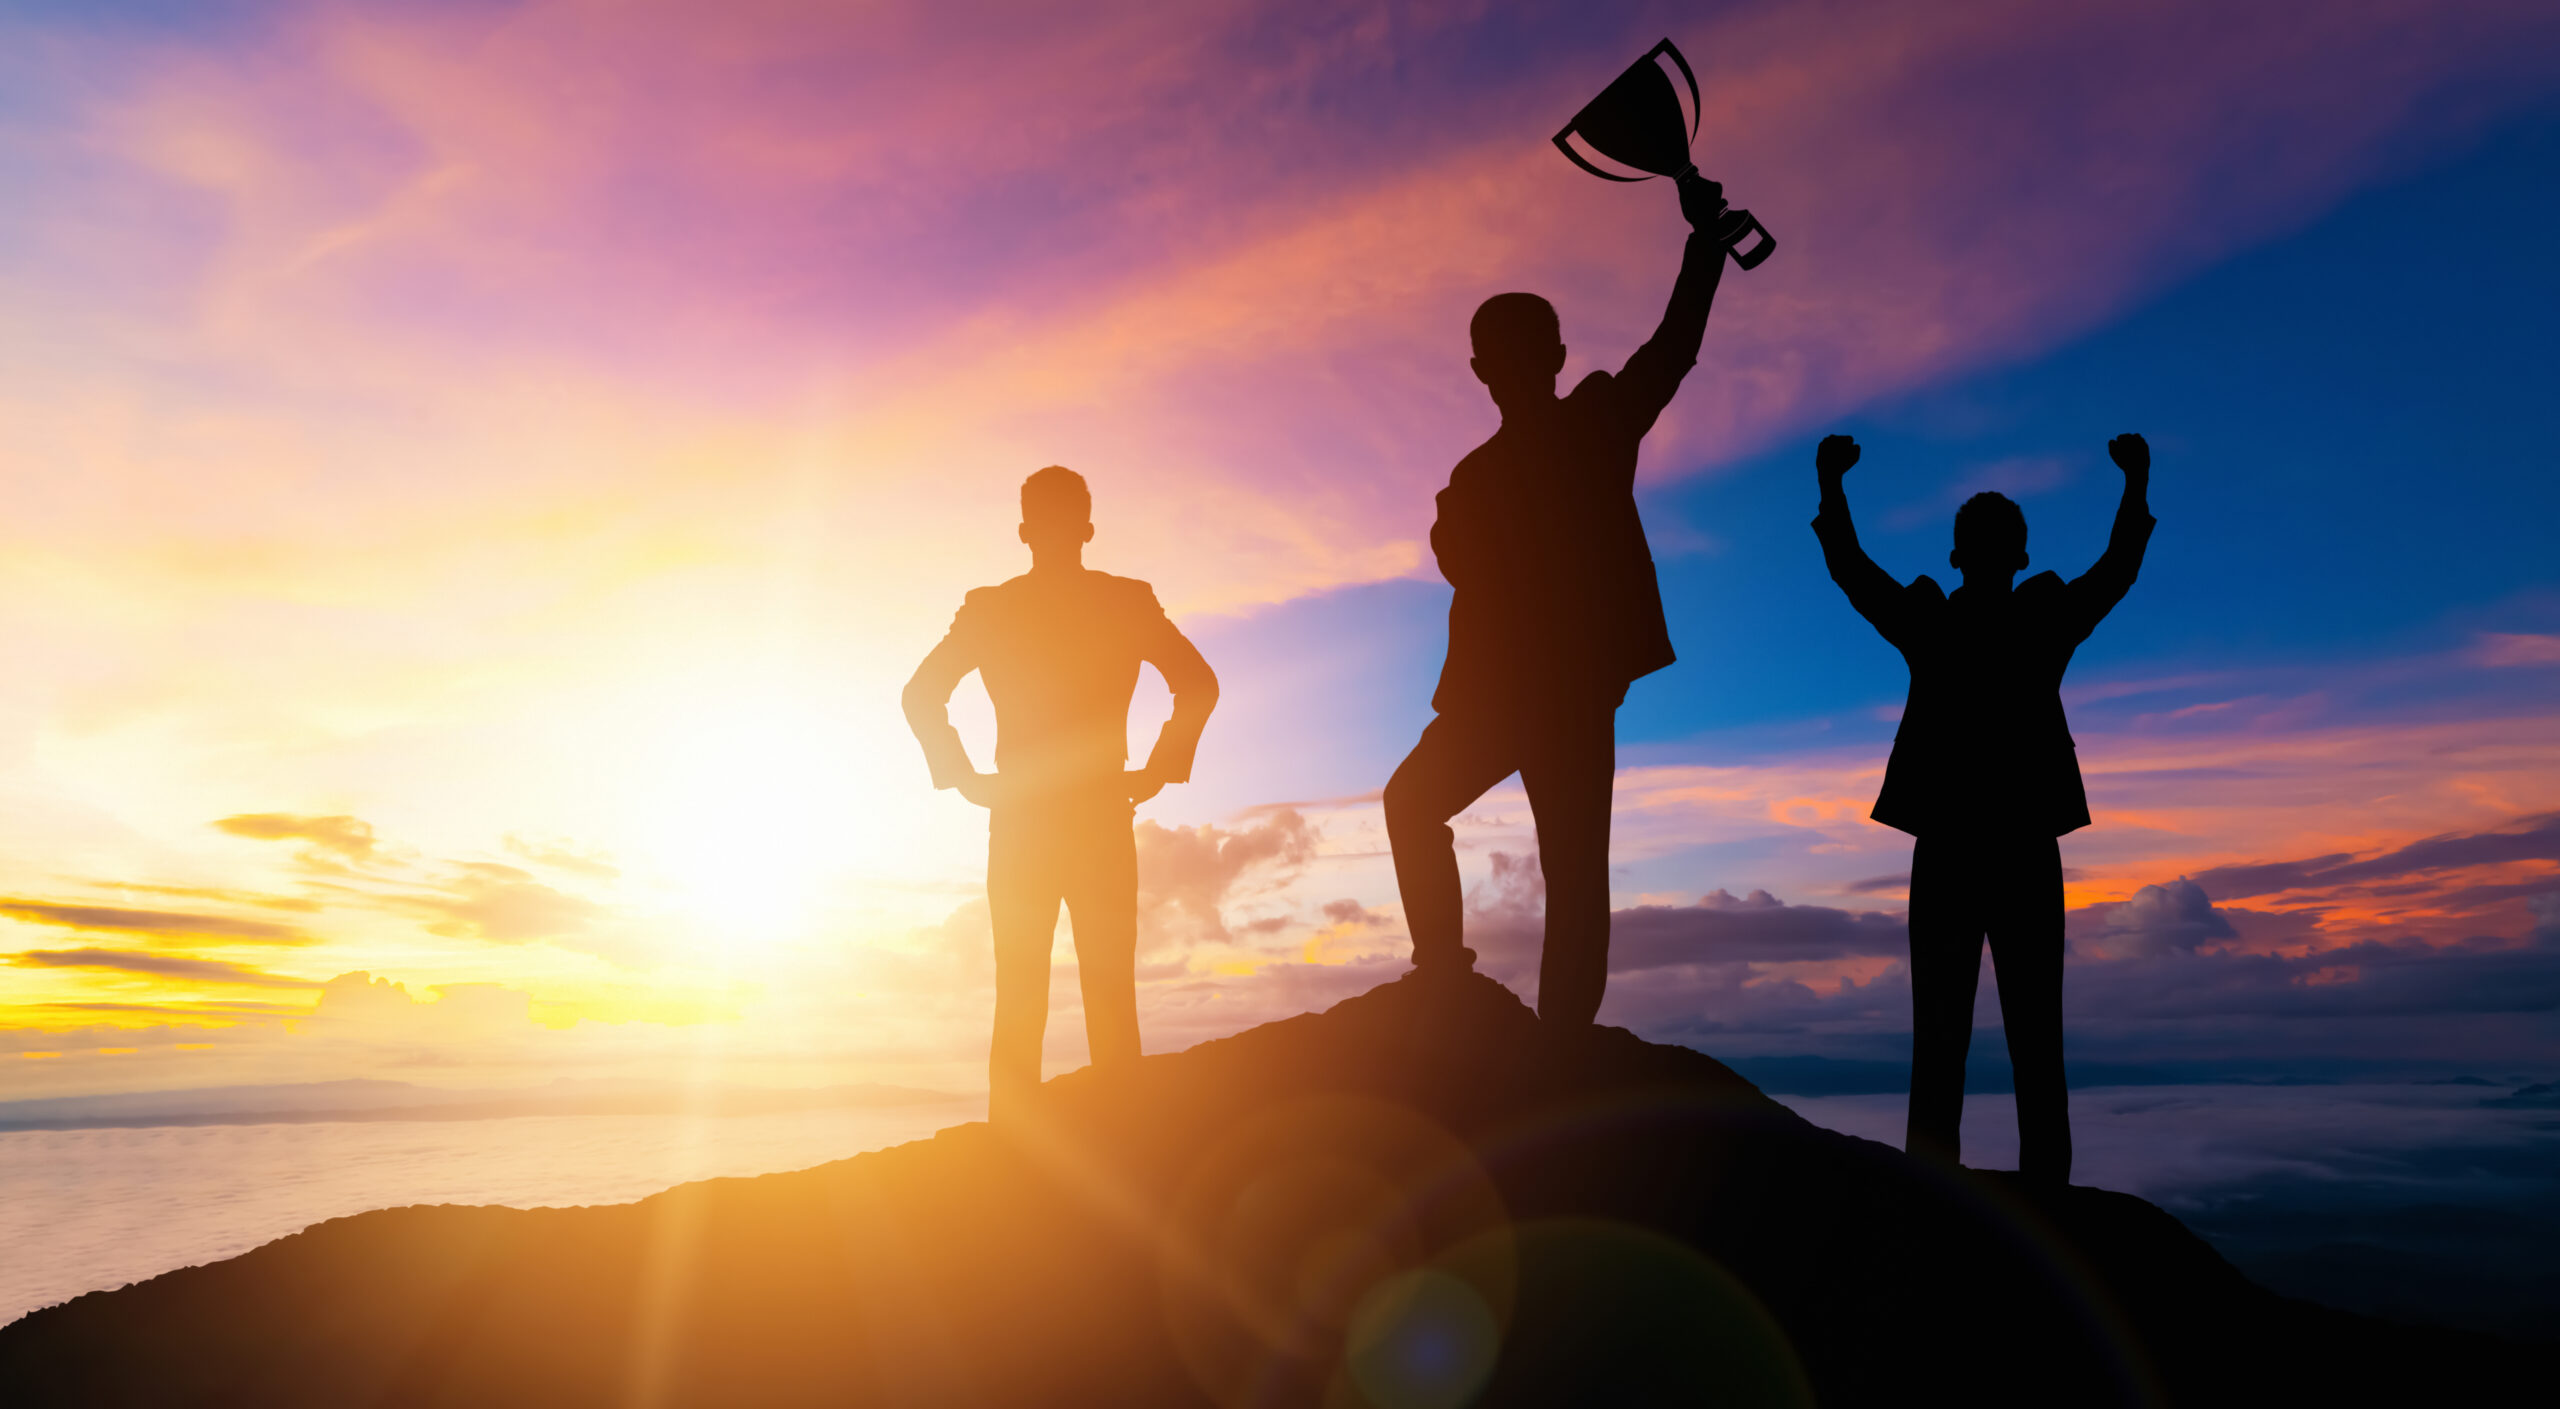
1556, 610
1636, 122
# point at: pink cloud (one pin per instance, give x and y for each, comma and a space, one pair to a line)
2502, 648
1221, 258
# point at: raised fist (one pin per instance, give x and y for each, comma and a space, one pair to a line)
1702, 201
1835, 455
2131, 453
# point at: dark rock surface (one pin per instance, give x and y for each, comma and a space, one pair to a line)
1418, 1198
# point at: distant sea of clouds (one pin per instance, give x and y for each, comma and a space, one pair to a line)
99, 1205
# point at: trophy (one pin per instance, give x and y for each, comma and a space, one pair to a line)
1636, 122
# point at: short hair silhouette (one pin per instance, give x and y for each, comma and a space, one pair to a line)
1512, 323
1990, 528
1056, 495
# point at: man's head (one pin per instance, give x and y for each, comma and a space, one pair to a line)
1519, 349
1991, 539
1057, 511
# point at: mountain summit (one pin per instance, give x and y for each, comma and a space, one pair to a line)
1422, 1198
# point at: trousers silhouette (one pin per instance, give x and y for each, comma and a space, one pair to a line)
1078, 851
1966, 888
1567, 759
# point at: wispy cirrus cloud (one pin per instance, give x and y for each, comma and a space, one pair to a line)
2527, 840
2517, 648
563, 857
157, 966
465, 899
167, 926
1252, 240
346, 838
262, 900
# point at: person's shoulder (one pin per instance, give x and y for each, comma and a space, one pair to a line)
2046, 601
1925, 588
995, 598
1132, 593
995, 592
1594, 400
1471, 463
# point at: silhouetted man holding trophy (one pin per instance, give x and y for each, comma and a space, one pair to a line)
1556, 608
1985, 779
1058, 649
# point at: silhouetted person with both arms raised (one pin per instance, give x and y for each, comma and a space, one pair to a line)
1984, 777
1556, 611
1058, 649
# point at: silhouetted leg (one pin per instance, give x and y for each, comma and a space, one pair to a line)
1102, 905
1022, 908
1454, 764
1569, 774
2026, 949
1946, 965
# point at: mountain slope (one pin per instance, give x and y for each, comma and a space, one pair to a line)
1420, 1197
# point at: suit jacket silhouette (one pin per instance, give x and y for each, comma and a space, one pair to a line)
1059, 654
1538, 534
1983, 744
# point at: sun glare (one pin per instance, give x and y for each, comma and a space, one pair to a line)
751, 811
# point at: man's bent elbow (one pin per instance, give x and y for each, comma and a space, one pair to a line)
919, 703
1198, 691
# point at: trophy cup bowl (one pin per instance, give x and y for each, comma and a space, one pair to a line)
1636, 122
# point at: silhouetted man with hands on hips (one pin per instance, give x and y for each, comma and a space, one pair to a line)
1984, 777
1556, 611
1058, 649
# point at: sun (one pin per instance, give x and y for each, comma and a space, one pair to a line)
750, 814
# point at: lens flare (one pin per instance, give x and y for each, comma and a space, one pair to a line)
1296, 1244
1422, 1339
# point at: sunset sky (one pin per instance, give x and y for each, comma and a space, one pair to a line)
477, 475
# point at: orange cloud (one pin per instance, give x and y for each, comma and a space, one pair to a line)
350, 838
490, 901
1188, 876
